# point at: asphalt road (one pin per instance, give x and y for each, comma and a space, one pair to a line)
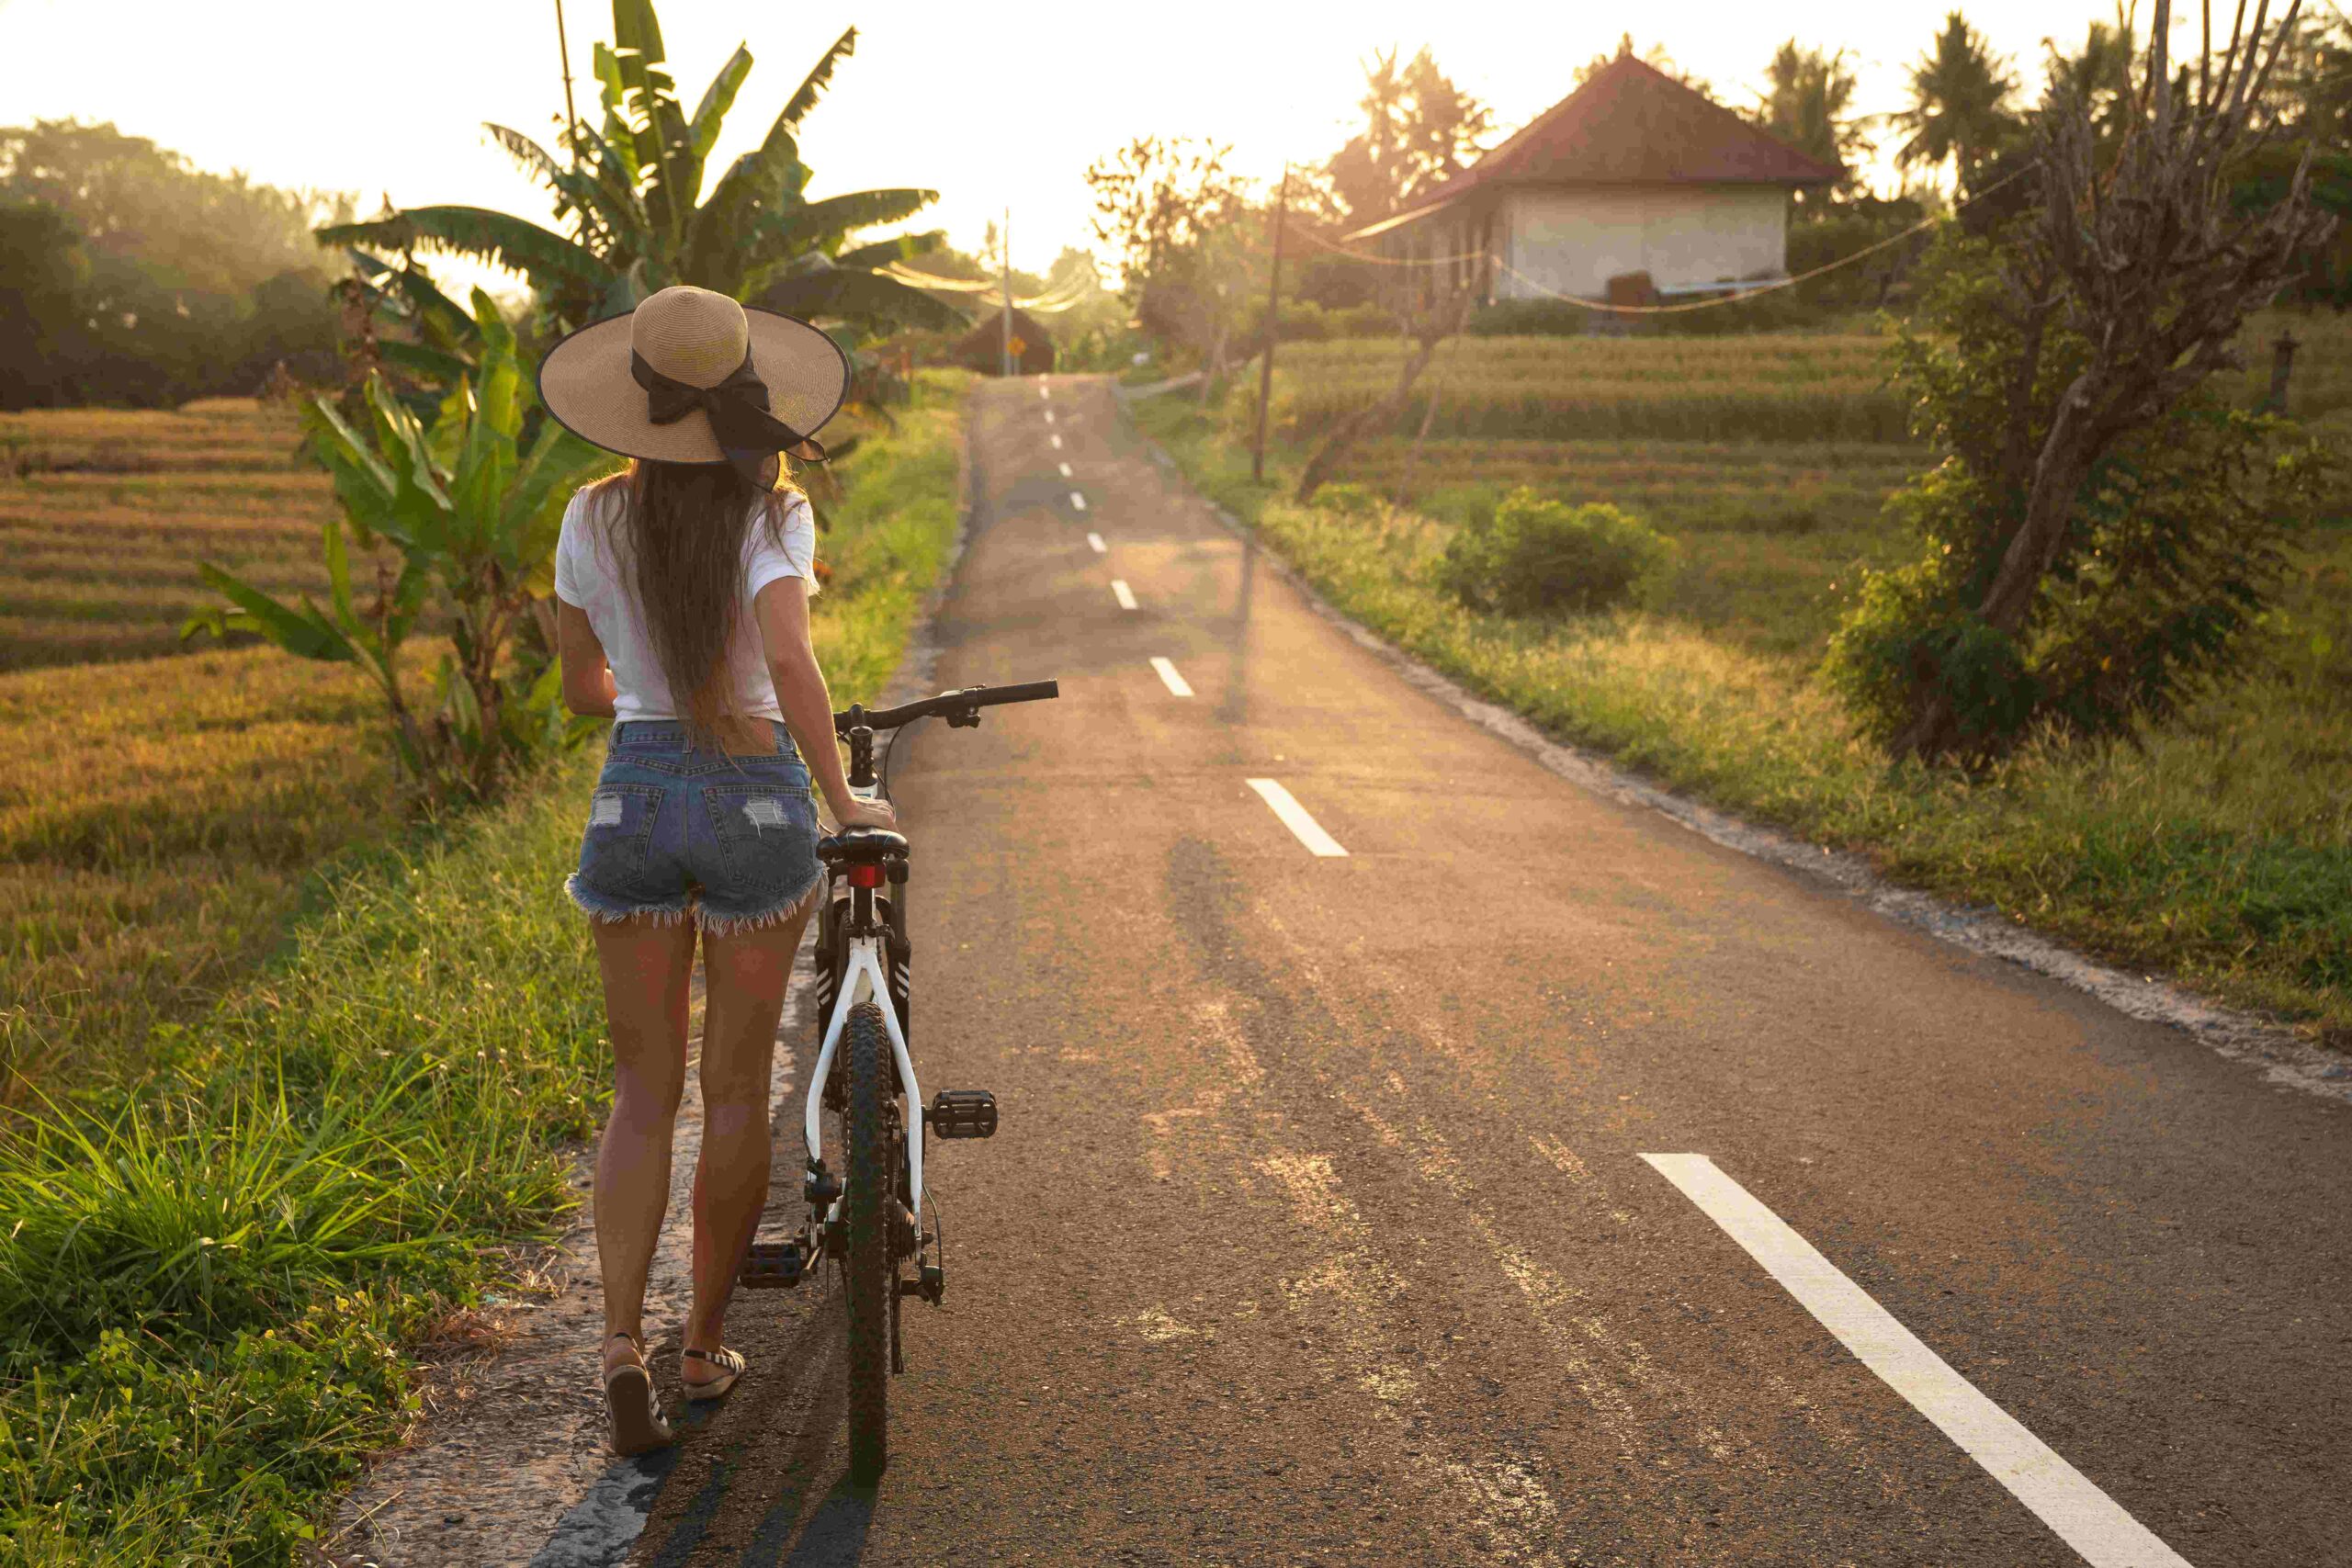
1320, 1229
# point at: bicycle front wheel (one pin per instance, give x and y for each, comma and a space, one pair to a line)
869, 1262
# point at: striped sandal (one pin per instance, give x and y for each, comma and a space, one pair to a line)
731, 1369
634, 1414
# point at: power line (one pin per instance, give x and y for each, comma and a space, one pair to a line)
1314, 238
1060, 296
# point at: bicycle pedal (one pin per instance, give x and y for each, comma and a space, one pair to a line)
772, 1265
964, 1113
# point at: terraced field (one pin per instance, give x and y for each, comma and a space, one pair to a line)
1769, 457
104, 514
156, 820
1774, 387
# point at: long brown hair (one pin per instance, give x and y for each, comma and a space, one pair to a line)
686, 527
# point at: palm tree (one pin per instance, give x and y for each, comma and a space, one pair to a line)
632, 196
1960, 104
2100, 74
1809, 105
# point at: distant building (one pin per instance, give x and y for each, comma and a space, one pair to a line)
983, 348
1632, 174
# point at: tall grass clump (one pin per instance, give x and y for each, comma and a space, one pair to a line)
215, 1272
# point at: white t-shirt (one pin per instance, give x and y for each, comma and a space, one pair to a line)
590, 572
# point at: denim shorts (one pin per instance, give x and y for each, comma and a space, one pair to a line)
675, 832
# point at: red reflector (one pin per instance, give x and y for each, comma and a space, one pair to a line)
865, 875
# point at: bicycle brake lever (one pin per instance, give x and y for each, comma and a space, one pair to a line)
964, 718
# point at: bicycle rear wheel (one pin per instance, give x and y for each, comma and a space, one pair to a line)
869, 1267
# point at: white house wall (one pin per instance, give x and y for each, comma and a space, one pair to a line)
1573, 241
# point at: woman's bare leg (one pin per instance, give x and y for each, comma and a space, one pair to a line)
648, 972
745, 975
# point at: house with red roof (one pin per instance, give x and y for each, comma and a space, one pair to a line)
1633, 173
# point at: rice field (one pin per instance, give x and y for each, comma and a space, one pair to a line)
1766, 386
1773, 535
157, 818
104, 512
1802, 387
1719, 442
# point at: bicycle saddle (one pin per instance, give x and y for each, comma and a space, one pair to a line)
860, 845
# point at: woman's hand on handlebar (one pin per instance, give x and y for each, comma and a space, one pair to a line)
867, 814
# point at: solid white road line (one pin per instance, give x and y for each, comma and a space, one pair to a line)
1066, 474
1122, 594
1058, 440
1078, 501
1096, 542
1177, 686
1295, 817
2084, 1516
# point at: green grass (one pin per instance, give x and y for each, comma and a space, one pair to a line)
213, 1274
2218, 849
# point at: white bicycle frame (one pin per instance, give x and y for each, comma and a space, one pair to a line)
865, 969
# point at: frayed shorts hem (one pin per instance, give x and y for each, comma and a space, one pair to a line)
607, 911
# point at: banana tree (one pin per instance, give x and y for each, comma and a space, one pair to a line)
473, 517
632, 197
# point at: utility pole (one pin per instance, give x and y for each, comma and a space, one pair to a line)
570, 115
1274, 331
1004, 257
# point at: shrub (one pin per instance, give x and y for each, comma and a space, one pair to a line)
1465, 504
1350, 500
1534, 556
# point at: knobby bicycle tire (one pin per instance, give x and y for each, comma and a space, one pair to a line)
869, 1265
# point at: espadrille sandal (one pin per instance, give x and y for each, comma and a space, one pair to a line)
634, 1414
731, 1365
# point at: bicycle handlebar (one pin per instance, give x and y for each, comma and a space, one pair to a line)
970, 700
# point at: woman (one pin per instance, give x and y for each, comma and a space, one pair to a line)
682, 589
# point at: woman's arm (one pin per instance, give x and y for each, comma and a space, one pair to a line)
783, 610
588, 688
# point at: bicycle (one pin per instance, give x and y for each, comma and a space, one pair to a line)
868, 1216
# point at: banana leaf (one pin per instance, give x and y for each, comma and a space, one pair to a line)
309, 636
861, 296
548, 259
711, 113
898, 248
812, 86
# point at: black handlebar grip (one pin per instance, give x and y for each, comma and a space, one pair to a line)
1027, 691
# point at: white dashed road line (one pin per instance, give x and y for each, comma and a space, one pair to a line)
1065, 471
1049, 419
2084, 1516
1078, 501
1041, 391
1058, 440
1177, 686
1295, 817
1122, 594
1094, 542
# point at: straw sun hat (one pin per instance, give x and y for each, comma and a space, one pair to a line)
692, 377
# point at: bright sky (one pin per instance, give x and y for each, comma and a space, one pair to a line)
992, 108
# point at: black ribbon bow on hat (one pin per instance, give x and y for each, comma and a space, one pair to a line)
738, 408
